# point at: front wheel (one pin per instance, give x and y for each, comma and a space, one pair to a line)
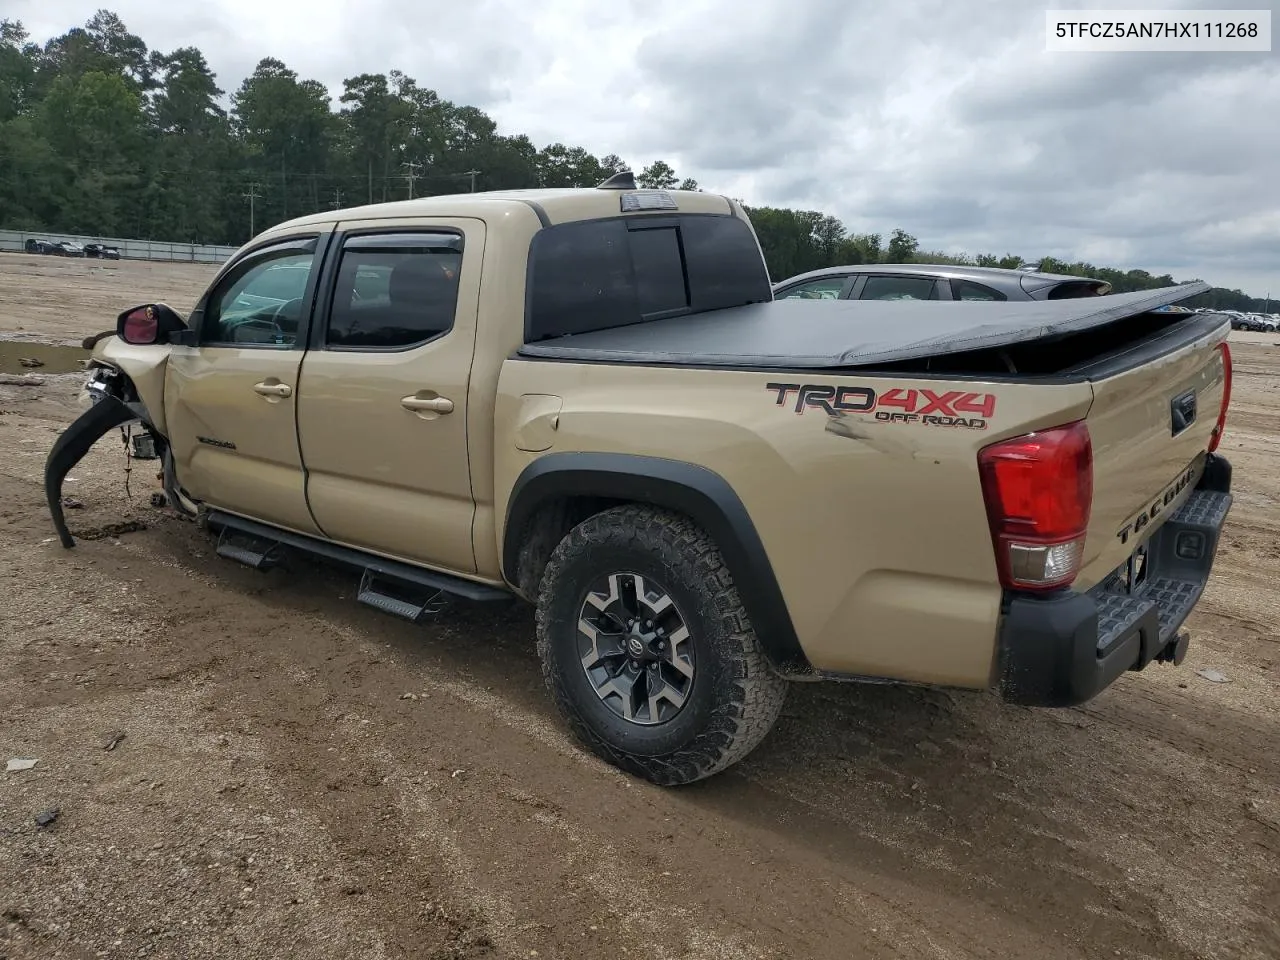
648, 651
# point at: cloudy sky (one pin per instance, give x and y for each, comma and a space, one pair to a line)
946, 118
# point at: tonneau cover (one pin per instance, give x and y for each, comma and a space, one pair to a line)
845, 333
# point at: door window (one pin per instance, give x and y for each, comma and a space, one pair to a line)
394, 291
825, 288
900, 288
260, 303
969, 290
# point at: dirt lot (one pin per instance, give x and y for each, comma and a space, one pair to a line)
277, 794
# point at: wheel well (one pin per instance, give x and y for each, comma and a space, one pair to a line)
548, 525
558, 491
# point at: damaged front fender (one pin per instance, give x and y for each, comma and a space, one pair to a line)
90, 427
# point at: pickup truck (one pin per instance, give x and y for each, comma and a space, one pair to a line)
588, 399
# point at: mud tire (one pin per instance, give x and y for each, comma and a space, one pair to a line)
735, 697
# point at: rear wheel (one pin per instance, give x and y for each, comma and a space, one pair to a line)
647, 648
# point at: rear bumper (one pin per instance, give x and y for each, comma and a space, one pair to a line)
1064, 649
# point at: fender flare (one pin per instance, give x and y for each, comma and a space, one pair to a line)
701, 494
70, 448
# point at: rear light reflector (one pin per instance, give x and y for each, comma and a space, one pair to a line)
1215, 438
1038, 490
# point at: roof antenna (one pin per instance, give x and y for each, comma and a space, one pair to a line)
622, 180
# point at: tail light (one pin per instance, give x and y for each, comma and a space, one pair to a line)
1038, 490
1215, 438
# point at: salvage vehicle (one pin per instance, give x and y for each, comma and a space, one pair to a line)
101, 251
589, 400
935, 281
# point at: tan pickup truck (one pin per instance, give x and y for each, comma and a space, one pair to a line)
588, 399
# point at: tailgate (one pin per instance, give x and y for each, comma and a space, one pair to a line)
1150, 427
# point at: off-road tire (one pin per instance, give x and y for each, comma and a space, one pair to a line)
735, 696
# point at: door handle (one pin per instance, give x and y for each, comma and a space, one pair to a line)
273, 389
432, 404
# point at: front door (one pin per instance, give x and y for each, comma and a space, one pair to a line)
382, 413
231, 400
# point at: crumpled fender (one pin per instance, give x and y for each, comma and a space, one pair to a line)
70, 448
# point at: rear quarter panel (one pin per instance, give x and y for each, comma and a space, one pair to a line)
876, 531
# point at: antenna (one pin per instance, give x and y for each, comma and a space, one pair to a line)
622, 180
412, 175
252, 195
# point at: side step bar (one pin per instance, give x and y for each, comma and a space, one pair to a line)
387, 585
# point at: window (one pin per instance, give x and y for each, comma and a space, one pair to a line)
659, 266
826, 288
394, 290
900, 288
969, 290
260, 302
597, 274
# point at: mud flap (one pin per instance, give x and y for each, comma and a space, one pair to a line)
70, 448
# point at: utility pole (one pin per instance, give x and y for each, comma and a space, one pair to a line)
252, 195
412, 175
337, 199
472, 175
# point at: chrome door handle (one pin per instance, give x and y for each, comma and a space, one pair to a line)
432, 404
273, 389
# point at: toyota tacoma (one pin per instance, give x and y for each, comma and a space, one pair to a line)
588, 399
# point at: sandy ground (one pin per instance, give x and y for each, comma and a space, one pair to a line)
277, 794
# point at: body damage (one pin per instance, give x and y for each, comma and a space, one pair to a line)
126, 386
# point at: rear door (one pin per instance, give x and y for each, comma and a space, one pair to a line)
231, 400
382, 413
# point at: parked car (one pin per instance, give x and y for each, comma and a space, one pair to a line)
934, 281
43, 247
101, 251
706, 492
69, 248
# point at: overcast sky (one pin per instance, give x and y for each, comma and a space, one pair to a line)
946, 118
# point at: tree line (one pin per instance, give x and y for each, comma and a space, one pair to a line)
101, 135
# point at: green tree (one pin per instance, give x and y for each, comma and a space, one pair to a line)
658, 176
902, 247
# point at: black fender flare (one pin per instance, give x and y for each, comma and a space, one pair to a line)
695, 491
70, 448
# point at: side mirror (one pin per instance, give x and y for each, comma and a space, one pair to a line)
148, 324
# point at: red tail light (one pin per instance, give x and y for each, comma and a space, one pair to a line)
1038, 490
1215, 438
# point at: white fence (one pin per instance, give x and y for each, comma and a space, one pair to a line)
14, 241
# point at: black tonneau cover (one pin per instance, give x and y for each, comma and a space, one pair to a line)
846, 333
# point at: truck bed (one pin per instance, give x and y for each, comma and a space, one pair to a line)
834, 334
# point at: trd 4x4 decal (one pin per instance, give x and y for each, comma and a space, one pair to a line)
950, 408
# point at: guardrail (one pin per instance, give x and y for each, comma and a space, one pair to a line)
14, 241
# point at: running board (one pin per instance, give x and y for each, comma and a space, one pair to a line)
389, 585
401, 599
255, 552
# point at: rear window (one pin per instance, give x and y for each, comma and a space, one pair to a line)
598, 274
1073, 289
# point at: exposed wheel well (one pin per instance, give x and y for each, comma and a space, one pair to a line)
548, 525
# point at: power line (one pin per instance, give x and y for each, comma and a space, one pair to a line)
252, 195
412, 175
